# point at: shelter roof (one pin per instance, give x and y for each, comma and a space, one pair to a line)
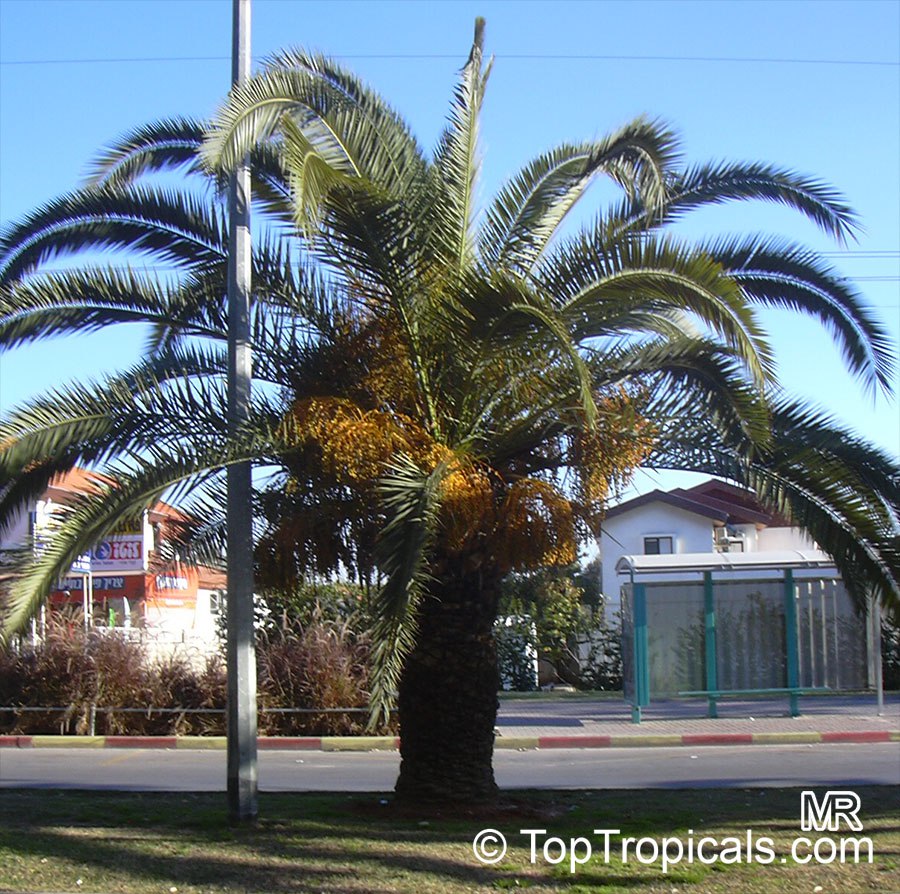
686, 562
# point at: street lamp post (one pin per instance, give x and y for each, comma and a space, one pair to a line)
241, 649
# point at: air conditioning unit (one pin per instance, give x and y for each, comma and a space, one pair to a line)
729, 540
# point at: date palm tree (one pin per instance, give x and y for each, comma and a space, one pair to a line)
447, 392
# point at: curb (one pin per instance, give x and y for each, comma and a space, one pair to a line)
519, 743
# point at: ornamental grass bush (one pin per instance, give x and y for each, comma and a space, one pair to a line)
320, 665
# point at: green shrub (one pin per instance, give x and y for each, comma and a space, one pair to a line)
565, 624
601, 665
516, 640
890, 655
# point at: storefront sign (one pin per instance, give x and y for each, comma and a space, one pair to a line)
171, 582
173, 588
123, 552
82, 565
98, 583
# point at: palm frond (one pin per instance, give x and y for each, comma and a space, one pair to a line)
689, 378
803, 474
171, 226
86, 521
410, 499
336, 112
173, 144
141, 479
314, 172
530, 208
718, 182
86, 301
457, 162
170, 398
776, 273
595, 283
168, 145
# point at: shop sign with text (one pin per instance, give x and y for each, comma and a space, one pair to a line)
123, 552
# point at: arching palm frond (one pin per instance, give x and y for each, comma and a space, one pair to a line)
171, 398
173, 227
529, 210
690, 377
174, 144
81, 302
167, 145
719, 182
592, 282
775, 273
172, 467
86, 521
345, 123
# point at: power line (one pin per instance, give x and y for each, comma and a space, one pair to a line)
156, 268
163, 267
859, 253
121, 59
529, 57
872, 278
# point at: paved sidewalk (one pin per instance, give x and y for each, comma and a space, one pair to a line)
741, 721
575, 722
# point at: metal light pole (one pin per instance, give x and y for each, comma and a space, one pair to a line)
241, 648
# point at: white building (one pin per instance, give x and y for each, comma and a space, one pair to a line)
712, 517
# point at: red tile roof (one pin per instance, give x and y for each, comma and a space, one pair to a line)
84, 481
717, 500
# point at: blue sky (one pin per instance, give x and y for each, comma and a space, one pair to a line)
811, 85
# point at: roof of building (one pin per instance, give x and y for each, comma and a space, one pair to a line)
716, 500
211, 578
740, 499
671, 498
77, 481
64, 486
686, 562
738, 513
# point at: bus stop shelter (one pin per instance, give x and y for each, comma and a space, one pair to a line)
762, 624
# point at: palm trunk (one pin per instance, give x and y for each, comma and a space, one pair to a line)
448, 694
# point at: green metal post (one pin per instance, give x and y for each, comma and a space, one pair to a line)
641, 660
712, 677
790, 635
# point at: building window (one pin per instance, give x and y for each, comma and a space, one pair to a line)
658, 546
217, 602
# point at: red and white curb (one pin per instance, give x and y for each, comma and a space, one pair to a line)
391, 743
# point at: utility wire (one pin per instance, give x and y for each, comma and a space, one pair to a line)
859, 253
531, 57
156, 268
161, 268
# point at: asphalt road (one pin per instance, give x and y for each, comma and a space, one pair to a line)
770, 766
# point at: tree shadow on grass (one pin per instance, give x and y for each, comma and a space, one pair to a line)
117, 863
124, 843
351, 843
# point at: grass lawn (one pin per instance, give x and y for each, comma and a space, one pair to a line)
64, 841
